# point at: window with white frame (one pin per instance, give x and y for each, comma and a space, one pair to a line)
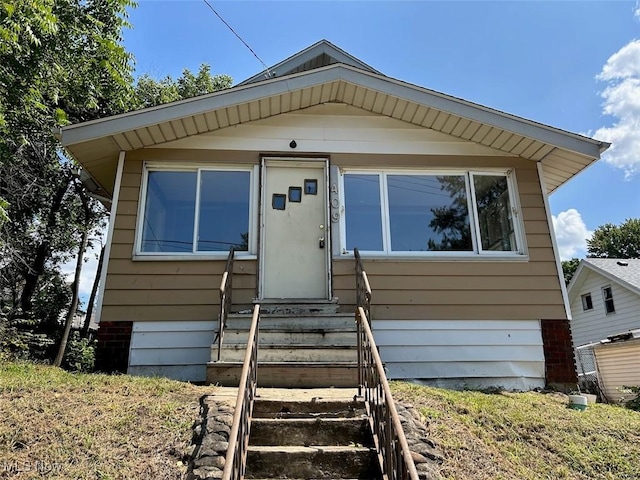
587, 302
195, 210
418, 212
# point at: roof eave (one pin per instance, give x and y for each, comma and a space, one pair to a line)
237, 95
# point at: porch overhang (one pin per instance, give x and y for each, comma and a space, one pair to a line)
96, 144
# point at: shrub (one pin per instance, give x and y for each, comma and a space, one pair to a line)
20, 341
634, 403
80, 354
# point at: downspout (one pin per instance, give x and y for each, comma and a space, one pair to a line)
112, 221
556, 253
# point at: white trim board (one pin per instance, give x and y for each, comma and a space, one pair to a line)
107, 248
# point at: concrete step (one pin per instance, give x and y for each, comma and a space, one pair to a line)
289, 353
287, 375
317, 407
321, 462
322, 336
311, 431
298, 305
295, 322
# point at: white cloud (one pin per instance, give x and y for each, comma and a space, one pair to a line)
571, 234
622, 100
636, 10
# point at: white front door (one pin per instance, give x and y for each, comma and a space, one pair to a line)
294, 237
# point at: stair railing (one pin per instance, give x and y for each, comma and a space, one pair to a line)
391, 444
363, 289
363, 299
226, 289
236, 459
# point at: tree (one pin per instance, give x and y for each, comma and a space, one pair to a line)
60, 61
569, 268
150, 92
3, 211
616, 241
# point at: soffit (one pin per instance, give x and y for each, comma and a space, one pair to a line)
96, 144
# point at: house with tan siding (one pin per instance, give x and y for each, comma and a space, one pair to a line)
446, 201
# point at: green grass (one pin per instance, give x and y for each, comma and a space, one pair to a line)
526, 435
88, 426
60, 425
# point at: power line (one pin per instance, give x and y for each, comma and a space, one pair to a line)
239, 38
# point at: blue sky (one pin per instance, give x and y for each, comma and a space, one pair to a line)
574, 65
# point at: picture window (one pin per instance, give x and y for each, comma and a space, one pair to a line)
397, 212
195, 210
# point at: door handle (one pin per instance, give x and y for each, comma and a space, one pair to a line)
321, 242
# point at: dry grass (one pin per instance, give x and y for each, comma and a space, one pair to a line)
526, 435
58, 425
55, 424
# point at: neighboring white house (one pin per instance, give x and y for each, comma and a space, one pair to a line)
605, 299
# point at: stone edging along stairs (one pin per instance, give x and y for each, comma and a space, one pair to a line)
302, 434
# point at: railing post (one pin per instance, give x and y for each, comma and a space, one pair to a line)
226, 290
360, 359
236, 459
391, 443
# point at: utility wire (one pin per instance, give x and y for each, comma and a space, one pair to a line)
239, 38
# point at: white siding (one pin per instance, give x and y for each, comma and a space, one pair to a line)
594, 325
463, 353
333, 128
618, 366
178, 350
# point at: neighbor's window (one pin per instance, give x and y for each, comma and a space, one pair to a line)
587, 303
196, 211
607, 295
393, 212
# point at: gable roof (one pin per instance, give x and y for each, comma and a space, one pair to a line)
624, 272
318, 55
97, 144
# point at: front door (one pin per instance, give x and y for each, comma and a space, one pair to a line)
294, 236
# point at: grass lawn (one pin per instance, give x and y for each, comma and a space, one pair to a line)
526, 435
55, 424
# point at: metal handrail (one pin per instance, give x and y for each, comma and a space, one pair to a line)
391, 444
363, 289
236, 459
226, 290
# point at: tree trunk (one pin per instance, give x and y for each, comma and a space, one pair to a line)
32, 276
92, 297
74, 300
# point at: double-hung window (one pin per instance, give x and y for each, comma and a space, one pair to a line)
424, 213
607, 296
195, 210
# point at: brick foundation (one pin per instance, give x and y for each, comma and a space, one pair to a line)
112, 351
560, 366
